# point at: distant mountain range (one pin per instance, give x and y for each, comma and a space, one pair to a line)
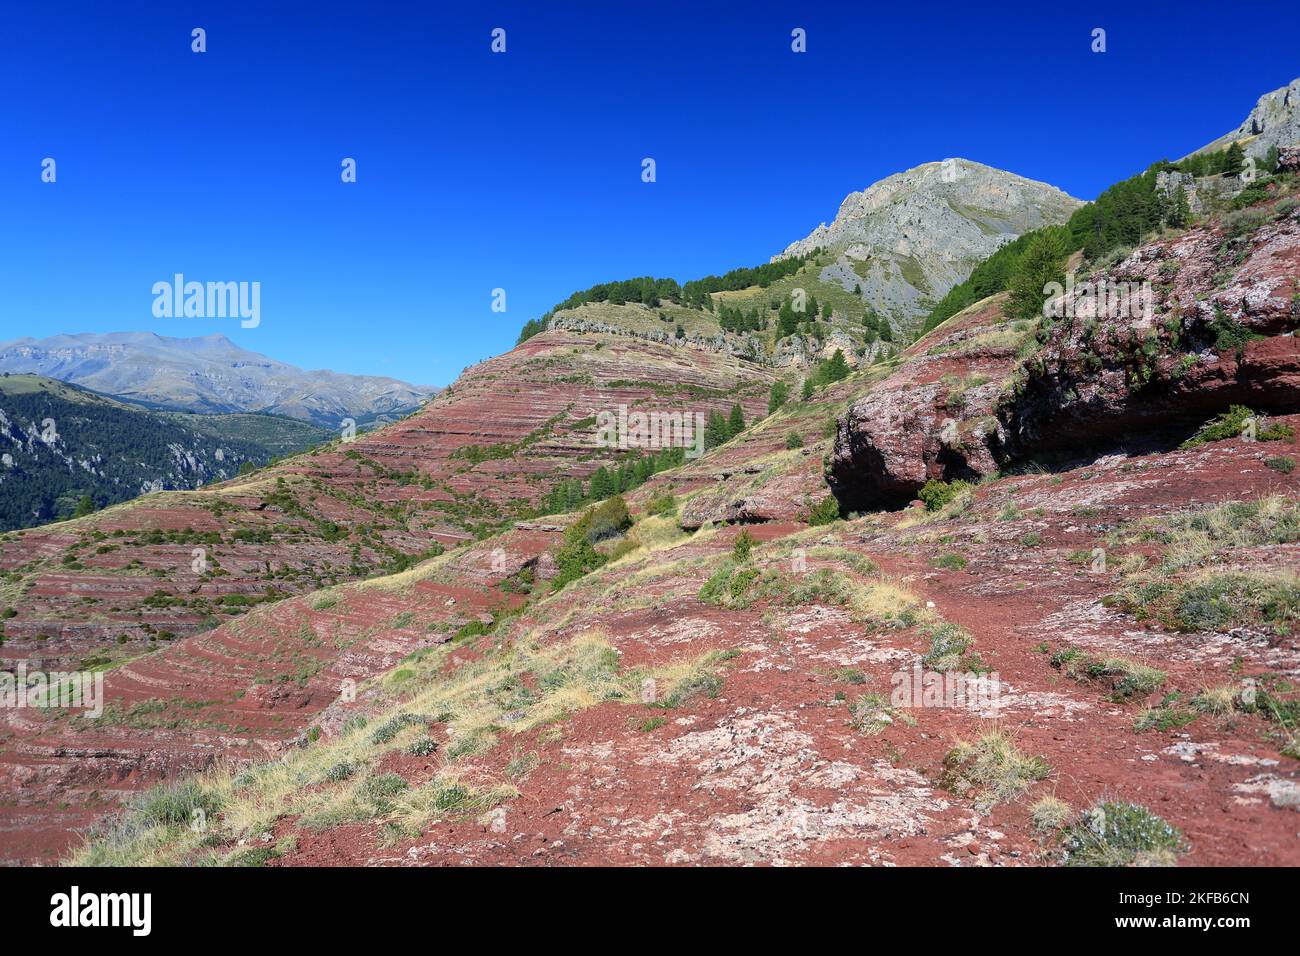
60, 443
209, 375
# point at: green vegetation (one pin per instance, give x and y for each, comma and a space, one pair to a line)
1121, 834
1234, 423
631, 473
1125, 678
992, 770
134, 449
1121, 217
936, 494
578, 555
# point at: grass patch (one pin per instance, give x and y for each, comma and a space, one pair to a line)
992, 770
1125, 678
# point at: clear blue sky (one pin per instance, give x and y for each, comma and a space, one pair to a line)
522, 170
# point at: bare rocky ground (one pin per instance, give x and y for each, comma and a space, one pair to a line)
502, 726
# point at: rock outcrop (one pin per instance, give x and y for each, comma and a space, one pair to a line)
1219, 331
1275, 121
931, 419
1186, 327
908, 239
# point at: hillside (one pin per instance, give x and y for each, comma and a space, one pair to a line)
1019, 592
724, 684
1273, 122
60, 444
483, 453
209, 375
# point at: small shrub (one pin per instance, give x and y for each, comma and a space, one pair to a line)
936, 494
793, 440
424, 747
949, 562
871, 715
826, 511
341, 771
1121, 834
1049, 814
849, 675
992, 769
743, 545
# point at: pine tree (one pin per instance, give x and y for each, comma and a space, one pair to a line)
601, 486
1180, 210
1235, 160
834, 369
1043, 262
715, 430
780, 394
736, 422
807, 388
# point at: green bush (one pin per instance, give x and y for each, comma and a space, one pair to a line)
936, 494
1121, 834
743, 545
826, 511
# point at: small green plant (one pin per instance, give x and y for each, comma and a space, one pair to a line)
849, 675
1121, 834
341, 771
1125, 677
1167, 715
1283, 464
991, 769
423, 747
743, 545
826, 511
1049, 814
870, 714
652, 723
936, 494
793, 440
949, 562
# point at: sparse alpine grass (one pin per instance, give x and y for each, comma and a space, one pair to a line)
1126, 678
992, 770
518, 687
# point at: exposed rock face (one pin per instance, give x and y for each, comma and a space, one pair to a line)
209, 374
933, 418
1275, 121
911, 237
1221, 332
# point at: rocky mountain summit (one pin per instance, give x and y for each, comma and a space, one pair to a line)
908, 239
1275, 121
209, 374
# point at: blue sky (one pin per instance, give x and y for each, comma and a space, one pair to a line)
522, 171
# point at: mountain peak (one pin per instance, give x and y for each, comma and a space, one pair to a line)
907, 239
1274, 121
